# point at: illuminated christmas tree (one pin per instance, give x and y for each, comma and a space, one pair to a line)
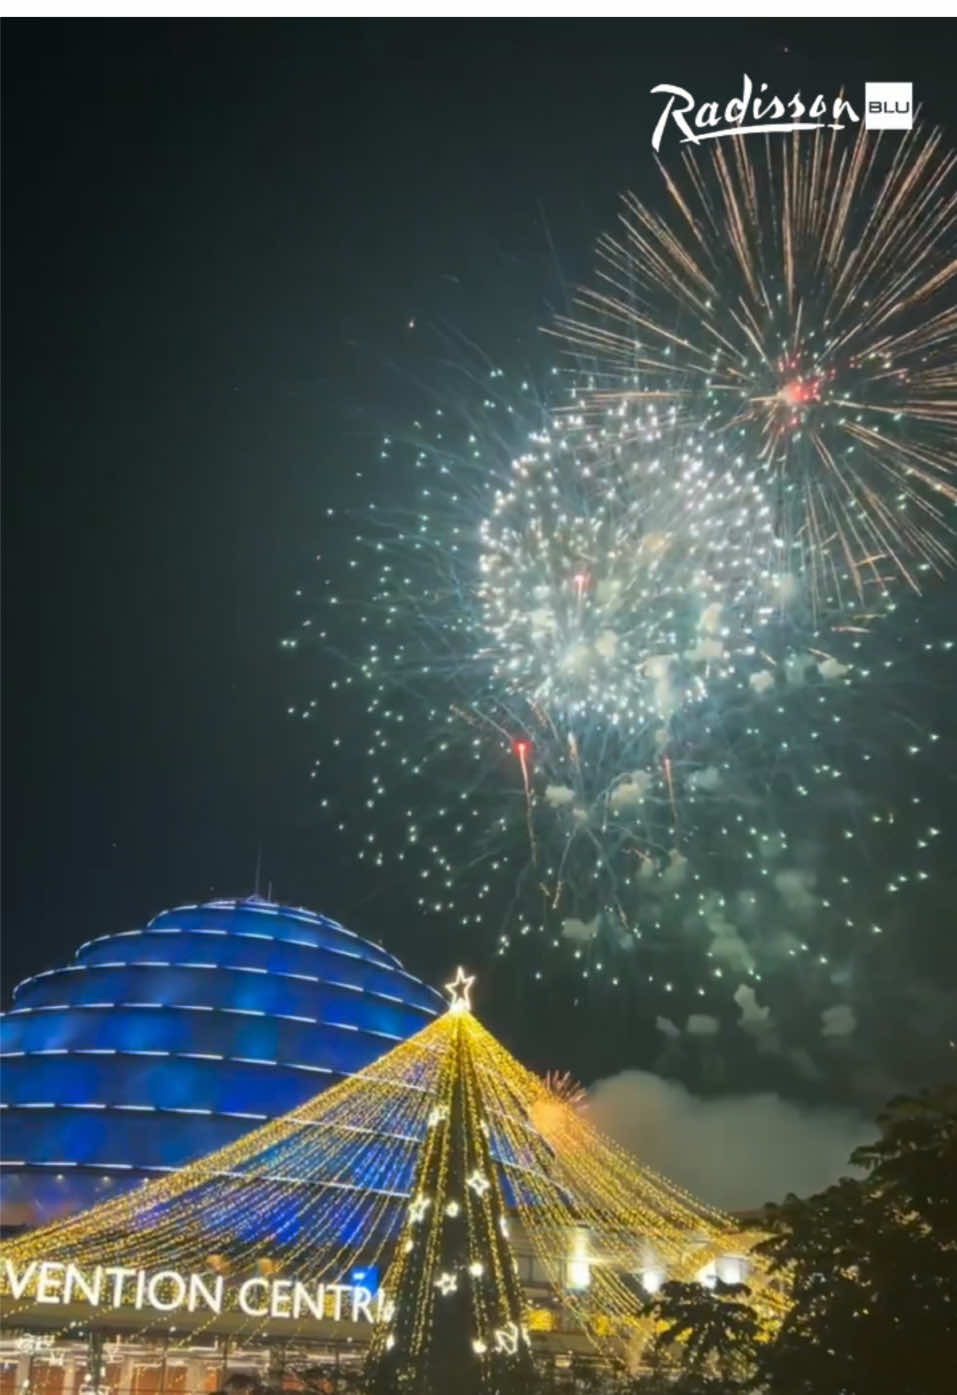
456, 1320
429, 1164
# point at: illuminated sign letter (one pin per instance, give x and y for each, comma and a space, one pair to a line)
120, 1276
338, 1290
281, 1294
244, 1299
178, 1284
48, 1278
88, 1292
301, 1297
18, 1282
361, 1303
198, 1290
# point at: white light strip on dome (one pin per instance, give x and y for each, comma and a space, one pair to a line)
176, 930
145, 1109
231, 968
393, 966
316, 1186
93, 1166
353, 1128
251, 935
274, 909
241, 1060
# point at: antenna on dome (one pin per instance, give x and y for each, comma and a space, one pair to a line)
259, 868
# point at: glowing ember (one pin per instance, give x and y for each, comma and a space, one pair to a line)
800, 391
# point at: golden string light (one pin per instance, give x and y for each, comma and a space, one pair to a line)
447, 1127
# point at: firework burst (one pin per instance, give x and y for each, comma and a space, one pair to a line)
692, 813
553, 1113
564, 1086
796, 301
618, 570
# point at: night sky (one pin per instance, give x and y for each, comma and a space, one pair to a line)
216, 237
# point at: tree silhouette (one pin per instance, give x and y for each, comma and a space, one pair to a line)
872, 1266
711, 1331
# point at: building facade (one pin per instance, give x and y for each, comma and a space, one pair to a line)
187, 1354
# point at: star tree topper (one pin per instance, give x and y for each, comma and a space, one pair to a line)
458, 991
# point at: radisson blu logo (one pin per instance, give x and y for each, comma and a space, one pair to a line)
758, 110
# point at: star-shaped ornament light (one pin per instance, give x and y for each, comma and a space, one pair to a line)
418, 1209
506, 1339
478, 1182
458, 991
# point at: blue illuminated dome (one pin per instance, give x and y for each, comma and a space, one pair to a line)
156, 1046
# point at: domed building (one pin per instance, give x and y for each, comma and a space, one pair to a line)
156, 1046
